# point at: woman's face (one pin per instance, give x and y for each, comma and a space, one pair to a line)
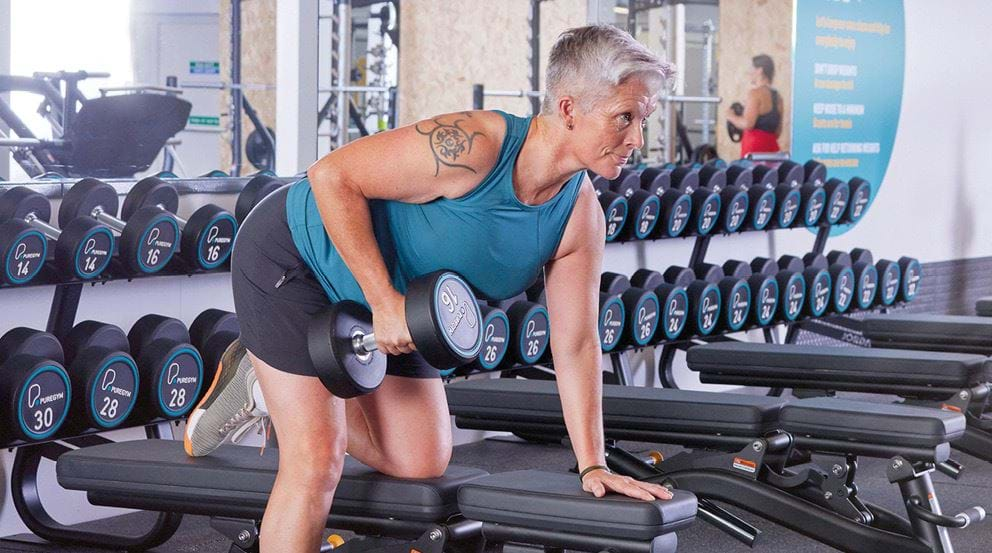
756, 75
613, 128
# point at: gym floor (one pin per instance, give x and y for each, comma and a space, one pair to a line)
506, 454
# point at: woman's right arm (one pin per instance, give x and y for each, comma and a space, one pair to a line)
446, 156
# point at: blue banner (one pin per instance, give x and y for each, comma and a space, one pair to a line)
848, 59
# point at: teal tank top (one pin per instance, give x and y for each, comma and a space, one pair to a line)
497, 243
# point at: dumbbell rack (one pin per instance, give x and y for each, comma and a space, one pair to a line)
61, 318
669, 348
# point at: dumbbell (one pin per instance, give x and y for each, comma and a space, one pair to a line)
442, 315
791, 285
812, 198
860, 196
211, 333
912, 273
889, 279
644, 207
615, 207
761, 194
104, 374
495, 340
214, 174
530, 330
733, 196
610, 321
843, 279
148, 239
705, 299
818, 284
673, 299
865, 275
764, 290
208, 235
787, 197
641, 309
171, 366
256, 189
706, 204
676, 205
735, 293
35, 387
837, 192
82, 249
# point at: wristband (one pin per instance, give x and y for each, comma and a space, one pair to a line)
589, 469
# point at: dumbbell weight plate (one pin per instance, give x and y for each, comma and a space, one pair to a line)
867, 284
676, 209
818, 286
84, 249
860, 196
646, 279
611, 321
260, 186
764, 202
173, 368
912, 273
208, 238
814, 201
149, 240
329, 340
613, 283
495, 337
210, 322
214, 173
444, 320
24, 251
737, 302
814, 172
642, 308
890, 277
788, 201
735, 213
704, 304
150, 192
84, 197
764, 298
530, 331
645, 209
791, 174
38, 395
793, 294
675, 310
844, 287
103, 372
615, 209
838, 196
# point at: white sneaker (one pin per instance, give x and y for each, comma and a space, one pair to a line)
231, 407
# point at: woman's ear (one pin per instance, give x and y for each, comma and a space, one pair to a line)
566, 110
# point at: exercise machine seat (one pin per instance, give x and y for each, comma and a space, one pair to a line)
237, 477
938, 332
826, 418
821, 364
623, 406
556, 501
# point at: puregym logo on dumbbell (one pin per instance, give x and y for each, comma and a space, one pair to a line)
460, 310
109, 377
173, 377
35, 398
155, 239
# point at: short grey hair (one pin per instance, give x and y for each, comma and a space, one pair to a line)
586, 62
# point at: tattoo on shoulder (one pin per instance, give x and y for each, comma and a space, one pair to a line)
449, 142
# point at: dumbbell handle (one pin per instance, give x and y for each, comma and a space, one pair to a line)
364, 343
108, 219
970, 515
180, 220
46, 229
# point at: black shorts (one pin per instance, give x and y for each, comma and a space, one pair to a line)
274, 320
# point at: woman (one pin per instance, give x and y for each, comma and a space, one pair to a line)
761, 121
494, 197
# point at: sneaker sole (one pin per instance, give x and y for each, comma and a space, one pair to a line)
209, 397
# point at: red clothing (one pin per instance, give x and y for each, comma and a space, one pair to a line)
757, 140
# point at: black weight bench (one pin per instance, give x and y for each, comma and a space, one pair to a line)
950, 381
950, 333
463, 508
793, 463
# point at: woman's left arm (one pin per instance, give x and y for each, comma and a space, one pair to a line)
572, 284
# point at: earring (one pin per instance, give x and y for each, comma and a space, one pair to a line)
569, 125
